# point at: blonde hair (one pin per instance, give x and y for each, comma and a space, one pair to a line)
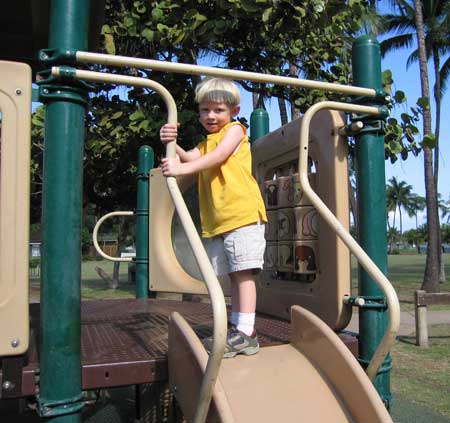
217, 90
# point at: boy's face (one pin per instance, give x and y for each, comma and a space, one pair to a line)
214, 115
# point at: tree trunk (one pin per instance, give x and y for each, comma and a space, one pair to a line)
283, 111
255, 98
353, 203
124, 227
431, 276
295, 112
437, 100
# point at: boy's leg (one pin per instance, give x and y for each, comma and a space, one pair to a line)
243, 301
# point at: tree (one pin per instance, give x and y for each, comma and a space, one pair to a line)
418, 17
416, 204
431, 276
398, 196
436, 16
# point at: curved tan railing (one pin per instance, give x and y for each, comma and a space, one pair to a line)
212, 284
380, 279
95, 235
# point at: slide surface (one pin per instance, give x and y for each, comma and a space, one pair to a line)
315, 378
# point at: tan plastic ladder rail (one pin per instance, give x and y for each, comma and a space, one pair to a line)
110, 60
212, 284
391, 296
95, 233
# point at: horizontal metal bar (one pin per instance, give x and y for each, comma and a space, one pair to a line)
110, 60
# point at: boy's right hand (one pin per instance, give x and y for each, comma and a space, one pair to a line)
168, 133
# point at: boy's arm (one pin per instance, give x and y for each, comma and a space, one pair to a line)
229, 143
188, 156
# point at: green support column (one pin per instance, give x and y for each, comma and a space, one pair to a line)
370, 167
60, 365
259, 124
145, 164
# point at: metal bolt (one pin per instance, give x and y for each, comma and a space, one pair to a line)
175, 388
18, 91
45, 90
15, 343
44, 56
7, 385
387, 98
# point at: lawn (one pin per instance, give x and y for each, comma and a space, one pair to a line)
406, 273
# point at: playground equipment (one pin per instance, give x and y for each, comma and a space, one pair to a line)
161, 233
15, 105
60, 396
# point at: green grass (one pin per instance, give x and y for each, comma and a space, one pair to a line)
406, 274
95, 288
421, 375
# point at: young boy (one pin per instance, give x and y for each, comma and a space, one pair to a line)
232, 211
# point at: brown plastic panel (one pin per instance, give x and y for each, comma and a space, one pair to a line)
323, 296
15, 106
166, 272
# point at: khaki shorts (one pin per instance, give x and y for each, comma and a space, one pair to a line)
241, 249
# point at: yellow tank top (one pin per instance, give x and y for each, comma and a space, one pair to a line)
229, 195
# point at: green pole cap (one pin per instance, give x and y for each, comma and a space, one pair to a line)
366, 56
259, 124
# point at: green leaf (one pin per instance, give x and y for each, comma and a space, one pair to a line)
148, 34
400, 96
128, 21
117, 115
161, 27
249, 6
423, 102
405, 117
110, 46
137, 115
429, 141
106, 29
266, 15
157, 14
395, 147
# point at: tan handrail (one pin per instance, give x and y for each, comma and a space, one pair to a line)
212, 284
97, 228
111, 60
391, 296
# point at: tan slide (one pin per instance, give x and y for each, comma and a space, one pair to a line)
315, 378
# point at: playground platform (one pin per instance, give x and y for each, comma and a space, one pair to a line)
124, 342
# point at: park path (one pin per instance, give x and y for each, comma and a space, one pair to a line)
407, 322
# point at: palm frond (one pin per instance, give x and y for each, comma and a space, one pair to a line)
395, 43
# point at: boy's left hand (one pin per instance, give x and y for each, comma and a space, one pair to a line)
172, 166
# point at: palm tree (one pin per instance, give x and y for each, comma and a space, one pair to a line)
421, 17
436, 17
398, 197
444, 207
416, 204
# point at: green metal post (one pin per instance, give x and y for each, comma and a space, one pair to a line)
371, 212
259, 124
60, 365
145, 164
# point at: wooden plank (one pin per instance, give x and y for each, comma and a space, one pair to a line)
423, 298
